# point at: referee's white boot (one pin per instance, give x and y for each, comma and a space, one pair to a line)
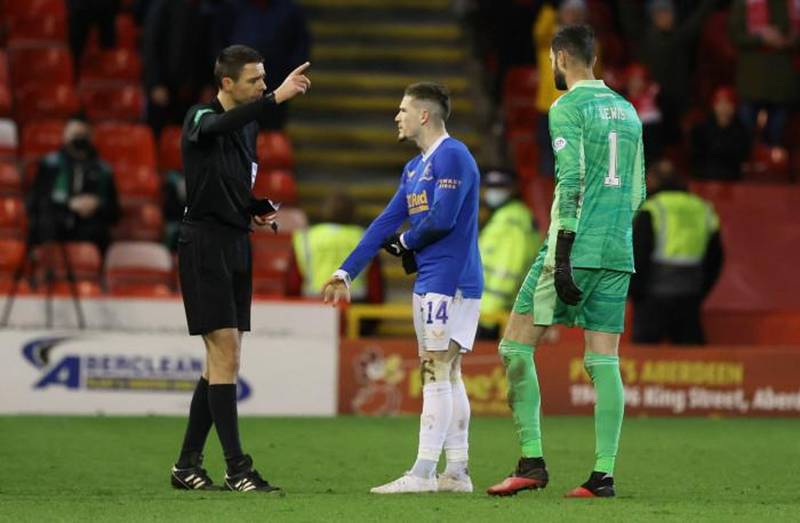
407, 484
448, 483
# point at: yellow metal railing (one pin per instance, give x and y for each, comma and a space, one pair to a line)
397, 311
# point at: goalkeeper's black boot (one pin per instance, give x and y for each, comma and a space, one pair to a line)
193, 477
244, 478
599, 485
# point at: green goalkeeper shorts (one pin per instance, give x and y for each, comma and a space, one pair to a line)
602, 305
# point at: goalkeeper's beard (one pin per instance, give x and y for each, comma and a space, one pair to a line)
559, 78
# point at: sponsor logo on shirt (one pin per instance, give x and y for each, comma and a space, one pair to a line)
417, 202
559, 143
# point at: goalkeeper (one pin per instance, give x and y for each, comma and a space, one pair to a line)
582, 272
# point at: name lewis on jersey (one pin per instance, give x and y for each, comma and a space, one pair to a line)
612, 113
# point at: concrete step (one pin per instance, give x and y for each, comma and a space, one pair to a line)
385, 54
358, 135
373, 104
345, 30
395, 84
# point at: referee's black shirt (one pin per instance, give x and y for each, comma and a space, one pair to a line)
219, 161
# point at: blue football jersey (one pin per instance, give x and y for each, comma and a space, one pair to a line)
439, 195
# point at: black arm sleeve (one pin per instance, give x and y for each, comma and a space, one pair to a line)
234, 119
643, 242
712, 262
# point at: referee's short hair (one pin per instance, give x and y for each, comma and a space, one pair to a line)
577, 41
232, 60
432, 92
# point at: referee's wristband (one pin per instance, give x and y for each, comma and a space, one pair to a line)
343, 276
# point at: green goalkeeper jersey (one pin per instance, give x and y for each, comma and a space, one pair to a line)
597, 142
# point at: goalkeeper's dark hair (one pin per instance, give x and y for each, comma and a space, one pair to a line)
232, 60
432, 92
578, 41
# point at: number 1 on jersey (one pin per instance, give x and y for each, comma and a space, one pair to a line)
611, 179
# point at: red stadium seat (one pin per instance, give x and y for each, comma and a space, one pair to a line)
13, 218
140, 222
41, 101
270, 270
169, 149
13, 9
124, 143
86, 289
141, 290
28, 30
111, 64
8, 138
127, 32
112, 102
84, 258
277, 185
36, 65
5, 100
274, 150
137, 183
10, 180
40, 138
11, 255
4, 77
135, 264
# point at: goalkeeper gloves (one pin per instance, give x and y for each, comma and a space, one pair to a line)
565, 285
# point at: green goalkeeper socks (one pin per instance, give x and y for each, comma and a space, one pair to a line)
609, 407
523, 395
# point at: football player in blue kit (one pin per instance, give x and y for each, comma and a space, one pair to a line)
438, 194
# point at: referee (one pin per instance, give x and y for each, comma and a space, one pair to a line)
218, 146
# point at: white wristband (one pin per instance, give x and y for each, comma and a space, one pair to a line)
343, 276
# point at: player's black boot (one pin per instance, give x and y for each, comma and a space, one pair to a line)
530, 474
244, 478
193, 477
599, 485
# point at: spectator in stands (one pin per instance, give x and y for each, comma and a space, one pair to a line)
569, 12
179, 39
508, 244
320, 249
720, 145
665, 46
678, 253
642, 92
73, 197
767, 33
84, 15
277, 29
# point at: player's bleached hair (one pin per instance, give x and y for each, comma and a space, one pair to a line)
577, 41
232, 60
432, 92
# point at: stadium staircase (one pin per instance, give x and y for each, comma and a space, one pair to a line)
365, 52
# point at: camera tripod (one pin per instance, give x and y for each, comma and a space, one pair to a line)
29, 260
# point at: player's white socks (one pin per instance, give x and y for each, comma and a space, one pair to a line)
437, 412
456, 443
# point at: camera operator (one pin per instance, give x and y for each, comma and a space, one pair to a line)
73, 197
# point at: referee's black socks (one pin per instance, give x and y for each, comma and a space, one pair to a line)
198, 427
222, 403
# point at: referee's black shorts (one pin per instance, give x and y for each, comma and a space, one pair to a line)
215, 267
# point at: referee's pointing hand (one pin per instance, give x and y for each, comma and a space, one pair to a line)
296, 83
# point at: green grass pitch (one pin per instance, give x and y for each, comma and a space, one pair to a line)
114, 469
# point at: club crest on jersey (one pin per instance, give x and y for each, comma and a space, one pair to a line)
417, 202
559, 143
426, 174
410, 174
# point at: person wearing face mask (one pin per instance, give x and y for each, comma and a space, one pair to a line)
73, 197
508, 244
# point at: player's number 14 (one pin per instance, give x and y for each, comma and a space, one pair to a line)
612, 180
